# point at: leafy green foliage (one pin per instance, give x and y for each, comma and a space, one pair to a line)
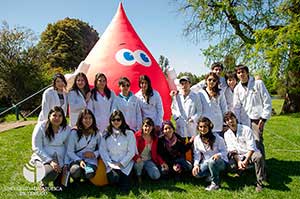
67, 42
261, 34
163, 63
21, 73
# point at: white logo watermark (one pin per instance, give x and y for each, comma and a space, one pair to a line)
34, 171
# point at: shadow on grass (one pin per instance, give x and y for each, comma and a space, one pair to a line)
89, 190
279, 173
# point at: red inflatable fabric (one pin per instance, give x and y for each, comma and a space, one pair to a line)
120, 52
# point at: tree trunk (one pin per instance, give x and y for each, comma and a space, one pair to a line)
292, 98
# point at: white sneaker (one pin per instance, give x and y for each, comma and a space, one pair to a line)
212, 187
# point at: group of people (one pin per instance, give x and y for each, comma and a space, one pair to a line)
220, 120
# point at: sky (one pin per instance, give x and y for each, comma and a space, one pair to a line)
157, 22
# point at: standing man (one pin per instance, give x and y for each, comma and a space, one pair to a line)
252, 104
186, 109
217, 68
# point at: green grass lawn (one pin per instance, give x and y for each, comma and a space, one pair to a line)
282, 142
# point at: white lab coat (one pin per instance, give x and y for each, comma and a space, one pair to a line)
44, 150
131, 110
118, 148
242, 142
154, 109
184, 109
102, 109
49, 100
90, 143
253, 102
229, 98
76, 103
202, 153
213, 109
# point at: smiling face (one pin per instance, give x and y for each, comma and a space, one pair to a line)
185, 86
203, 128
242, 75
56, 118
101, 82
211, 81
231, 82
87, 121
80, 82
231, 122
168, 131
116, 122
59, 84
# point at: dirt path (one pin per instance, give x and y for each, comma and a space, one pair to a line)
13, 125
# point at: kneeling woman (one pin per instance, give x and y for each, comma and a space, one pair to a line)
172, 149
147, 157
83, 145
210, 154
117, 149
48, 144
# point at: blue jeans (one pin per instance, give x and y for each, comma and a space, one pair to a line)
185, 165
212, 168
150, 167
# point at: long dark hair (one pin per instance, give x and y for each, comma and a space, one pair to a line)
80, 127
209, 136
149, 122
107, 91
55, 77
215, 89
149, 91
49, 130
124, 126
86, 88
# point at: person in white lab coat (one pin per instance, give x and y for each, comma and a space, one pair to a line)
49, 140
78, 97
101, 102
83, 146
231, 80
252, 104
186, 109
213, 102
242, 149
117, 149
217, 68
210, 154
54, 96
150, 101
129, 104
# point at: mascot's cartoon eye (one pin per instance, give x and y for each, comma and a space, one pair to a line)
125, 57
142, 58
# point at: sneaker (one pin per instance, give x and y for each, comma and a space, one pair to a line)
212, 187
44, 187
259, 187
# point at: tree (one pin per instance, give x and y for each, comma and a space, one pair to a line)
21, 73
163, 63
67, 42
260, 34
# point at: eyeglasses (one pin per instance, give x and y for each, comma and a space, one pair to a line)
116, 119
211, 80
125, 85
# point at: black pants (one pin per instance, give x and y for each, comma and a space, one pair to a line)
116, 176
